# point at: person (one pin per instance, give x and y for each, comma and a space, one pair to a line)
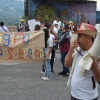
3, 28
48, 49
55, 29
21, 26
37, 27
58, 22
46, 25
54, 37
64, 44
83, 87
37, 21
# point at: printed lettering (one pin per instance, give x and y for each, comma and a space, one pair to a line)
29, 52
37, 53
28, 38
21, 54
19, 35
9, 52
8, 39
15, 53
1, 52
44, 52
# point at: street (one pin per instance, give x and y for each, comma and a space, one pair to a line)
23, 82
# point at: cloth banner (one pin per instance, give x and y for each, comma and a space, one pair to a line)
21, 47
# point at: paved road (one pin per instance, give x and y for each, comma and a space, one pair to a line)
23, 82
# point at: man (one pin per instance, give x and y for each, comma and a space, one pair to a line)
3, 28
64, 44
37, 21
21, 26
83, 87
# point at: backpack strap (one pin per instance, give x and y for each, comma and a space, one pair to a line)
93, 81
3, 28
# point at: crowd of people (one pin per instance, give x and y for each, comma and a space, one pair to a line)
58, 35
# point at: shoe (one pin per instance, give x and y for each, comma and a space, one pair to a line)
42, 72
46, 78
61, 73
66, 74
52, 72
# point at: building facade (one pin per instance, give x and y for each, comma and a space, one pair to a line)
49, 9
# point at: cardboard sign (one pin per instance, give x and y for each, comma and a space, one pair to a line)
20, 47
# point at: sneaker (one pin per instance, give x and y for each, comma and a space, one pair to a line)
61, 73
42, 72
52, 72
66, 74
46, 78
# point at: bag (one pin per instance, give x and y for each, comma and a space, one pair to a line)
63, 38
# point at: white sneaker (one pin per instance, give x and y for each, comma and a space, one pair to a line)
42, 72
46, 78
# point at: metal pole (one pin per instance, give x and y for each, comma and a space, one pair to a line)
26, 7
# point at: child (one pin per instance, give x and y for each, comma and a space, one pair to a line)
48, 49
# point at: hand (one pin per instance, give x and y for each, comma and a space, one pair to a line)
74, 44
94, 64
46, 58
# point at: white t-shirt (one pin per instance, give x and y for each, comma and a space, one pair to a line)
49, 44
37, 22
52, 36
56, 22
55, 30
2, 30
82, 86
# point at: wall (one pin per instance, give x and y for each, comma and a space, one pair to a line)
98, 17
68, 10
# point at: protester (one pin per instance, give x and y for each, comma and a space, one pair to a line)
46, 25
54, 37
48, 49
64, 44
3, 28
21, 26
83, 87
55, 29
37, 27
37, 21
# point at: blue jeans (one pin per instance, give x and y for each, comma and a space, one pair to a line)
48, 68
63, 55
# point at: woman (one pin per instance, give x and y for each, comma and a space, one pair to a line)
48, 49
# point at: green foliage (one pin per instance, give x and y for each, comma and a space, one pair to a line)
45, 12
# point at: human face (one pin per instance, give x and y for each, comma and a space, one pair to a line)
82, 40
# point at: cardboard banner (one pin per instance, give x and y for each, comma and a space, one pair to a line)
22, 47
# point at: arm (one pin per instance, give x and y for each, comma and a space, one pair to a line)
68, 58
96, 70
50, 49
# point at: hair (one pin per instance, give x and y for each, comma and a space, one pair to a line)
46, 32
92, 39
37, 27
46, 24
2, 23
88, 22
66, 26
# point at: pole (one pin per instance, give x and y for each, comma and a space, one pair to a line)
26, 14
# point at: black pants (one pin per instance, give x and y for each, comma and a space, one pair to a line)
72, 98
52, 58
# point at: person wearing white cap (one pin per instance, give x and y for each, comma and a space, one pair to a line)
83, 87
